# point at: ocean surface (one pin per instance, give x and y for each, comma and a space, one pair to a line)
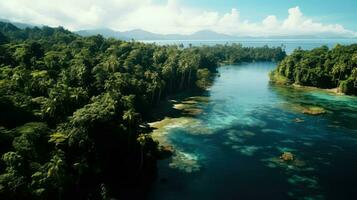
288, 44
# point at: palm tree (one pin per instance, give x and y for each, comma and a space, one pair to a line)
142, 140
55, 171
112, 64
130, 116
182, 68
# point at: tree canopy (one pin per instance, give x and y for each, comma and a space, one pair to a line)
321, 67
71, 107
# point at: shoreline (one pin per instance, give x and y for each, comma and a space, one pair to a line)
176, 108
280, 80
178, 112
335, 91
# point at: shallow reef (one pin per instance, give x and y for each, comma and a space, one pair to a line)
189, 107
187, 162
304, 109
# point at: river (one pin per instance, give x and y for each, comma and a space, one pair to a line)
228, 142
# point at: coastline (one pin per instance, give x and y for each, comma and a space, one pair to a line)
335, 90
279, 80
178, 110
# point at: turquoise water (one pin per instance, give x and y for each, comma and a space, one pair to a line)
232, 149
289, 44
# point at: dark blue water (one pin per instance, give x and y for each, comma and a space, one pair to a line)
231, 149
288, 44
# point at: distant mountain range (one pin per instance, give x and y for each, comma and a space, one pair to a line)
18, 24
139, 34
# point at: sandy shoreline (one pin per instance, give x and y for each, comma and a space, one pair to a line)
335, 91
179, 111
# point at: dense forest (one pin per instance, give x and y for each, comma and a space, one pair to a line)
320, 67
73, 108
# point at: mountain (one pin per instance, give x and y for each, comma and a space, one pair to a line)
18, 24
209, 35
139, 34
105, 32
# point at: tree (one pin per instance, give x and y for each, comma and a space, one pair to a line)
3, 39
12, 181
70, 105
203, 78
321, 67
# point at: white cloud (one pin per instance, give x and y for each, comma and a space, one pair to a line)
170, 17
270, 22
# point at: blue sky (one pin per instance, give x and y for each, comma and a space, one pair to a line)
233, 17
342, 12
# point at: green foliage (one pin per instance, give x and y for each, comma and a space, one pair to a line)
31, 139
203, 78
12, 160
12, 180
101, 109
58, 138
3, 39
321, 68
71, 108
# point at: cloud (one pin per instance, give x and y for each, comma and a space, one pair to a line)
270, 22
168, 17
297, 23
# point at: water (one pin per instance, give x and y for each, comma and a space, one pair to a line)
288, 44
231, 149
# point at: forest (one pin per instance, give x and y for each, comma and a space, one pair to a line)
73, 109
321, 67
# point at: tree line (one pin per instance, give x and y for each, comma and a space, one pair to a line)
72, 108
320, 67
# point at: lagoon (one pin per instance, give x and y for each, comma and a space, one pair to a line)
229, 148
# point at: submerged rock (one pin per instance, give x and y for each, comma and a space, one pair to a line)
298, 120
162, 127
309, 182
314, 110
190, 106
305, 109
185, 161
292, 165
287, 156
248, 150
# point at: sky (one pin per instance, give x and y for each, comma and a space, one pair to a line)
233, 17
